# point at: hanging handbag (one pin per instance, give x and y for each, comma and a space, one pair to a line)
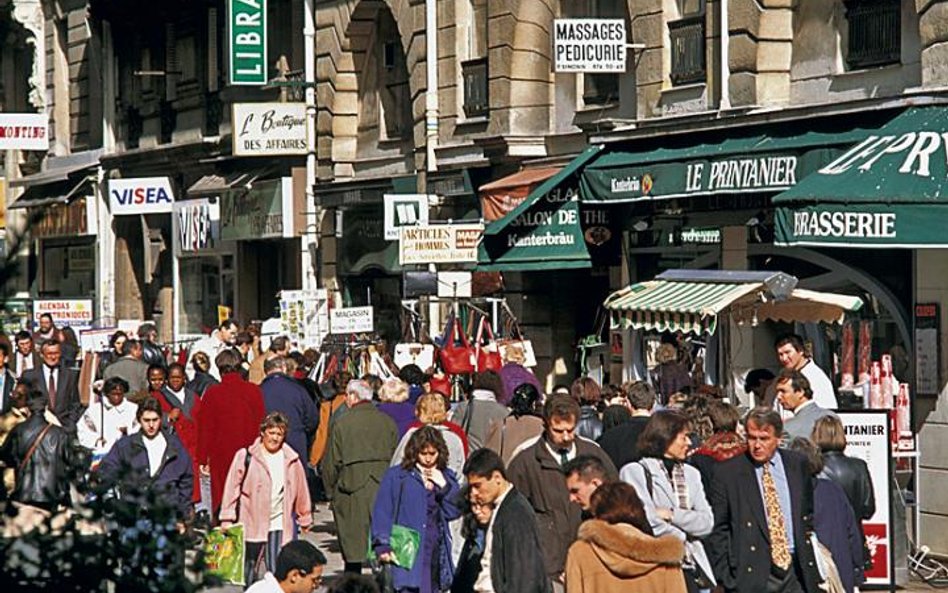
516, 347
412, 351
440, 383
488, 355
457, 355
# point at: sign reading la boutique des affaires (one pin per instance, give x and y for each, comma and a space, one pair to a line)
268, 129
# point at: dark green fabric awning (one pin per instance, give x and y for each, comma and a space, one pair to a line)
889, 190
543, 232
756, 164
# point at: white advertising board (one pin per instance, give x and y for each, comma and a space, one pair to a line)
439, 244
140, 195
24, 131
589, 45
76, 313
266, 129
868, 438
404, 210
304, 317
351, 320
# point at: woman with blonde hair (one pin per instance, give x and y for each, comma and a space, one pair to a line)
432, 410
393, 396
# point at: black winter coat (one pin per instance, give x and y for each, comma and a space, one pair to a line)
589, 425
44, 481
516, 562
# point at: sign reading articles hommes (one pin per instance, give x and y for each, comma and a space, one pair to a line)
350, 320
439, 244
589, 45
268, 129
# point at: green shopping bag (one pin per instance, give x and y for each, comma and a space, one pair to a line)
404, 542
224, 552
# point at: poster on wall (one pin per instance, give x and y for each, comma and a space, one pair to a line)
76, 313
926, 349
867, 438
304, 316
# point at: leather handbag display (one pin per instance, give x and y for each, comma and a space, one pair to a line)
488, 354
457, 355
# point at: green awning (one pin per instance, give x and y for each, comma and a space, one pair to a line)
755, 164
544, 232
690, 307
889, 190
693, 306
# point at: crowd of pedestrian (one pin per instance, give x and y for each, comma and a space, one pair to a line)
588, 488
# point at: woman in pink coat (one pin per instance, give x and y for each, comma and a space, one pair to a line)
266, 491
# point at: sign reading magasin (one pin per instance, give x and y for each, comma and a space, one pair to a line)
268, 129
350, 320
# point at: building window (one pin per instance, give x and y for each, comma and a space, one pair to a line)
875, 33
686, 36
600, 89
475, 87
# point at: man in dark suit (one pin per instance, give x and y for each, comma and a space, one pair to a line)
512, 561
58, 383
760, 541
26, 357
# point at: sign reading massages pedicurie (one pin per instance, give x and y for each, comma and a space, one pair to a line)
887, 191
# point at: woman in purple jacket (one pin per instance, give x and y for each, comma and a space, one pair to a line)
393, 396
422, 476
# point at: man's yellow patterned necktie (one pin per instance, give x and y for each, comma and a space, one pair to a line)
779, 549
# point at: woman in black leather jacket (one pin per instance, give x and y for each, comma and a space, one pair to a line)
850, 473
586, 392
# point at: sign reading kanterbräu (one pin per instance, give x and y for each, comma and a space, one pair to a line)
269, 129
247, 21
439, 244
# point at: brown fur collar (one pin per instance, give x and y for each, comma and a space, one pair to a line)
625, 543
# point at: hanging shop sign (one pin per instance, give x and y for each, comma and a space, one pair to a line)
196, 224
351, 320
247, 24
24, 131
304, 316
269, 129
589, 45
404, 210
927, 328
76, 313
142, 195
265, 211
868, 438
62, 220
439, 244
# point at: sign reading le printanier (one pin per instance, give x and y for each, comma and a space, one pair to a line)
267, 129
589, 45
248, 41
141, 195
350, 320
439, 244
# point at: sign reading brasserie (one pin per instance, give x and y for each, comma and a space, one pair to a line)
439, 244
589, 45
248, 41
267, 129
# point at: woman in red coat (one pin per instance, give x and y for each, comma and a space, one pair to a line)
228, 420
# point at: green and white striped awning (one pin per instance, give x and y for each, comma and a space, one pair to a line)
693, 306
690, 307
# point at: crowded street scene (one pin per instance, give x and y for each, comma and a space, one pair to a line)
470, 296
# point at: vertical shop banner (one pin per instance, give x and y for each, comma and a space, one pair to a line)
76, 313
196, 224
868, 438
247, 22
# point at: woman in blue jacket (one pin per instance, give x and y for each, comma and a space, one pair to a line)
422, 476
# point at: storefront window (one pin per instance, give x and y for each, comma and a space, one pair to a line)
200, 285
68, 270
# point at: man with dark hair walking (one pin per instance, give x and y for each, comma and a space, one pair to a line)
299, 569
537, 472
794, 394
763, 509
512, 561
584, 475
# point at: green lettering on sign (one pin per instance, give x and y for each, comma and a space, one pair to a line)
248, 41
